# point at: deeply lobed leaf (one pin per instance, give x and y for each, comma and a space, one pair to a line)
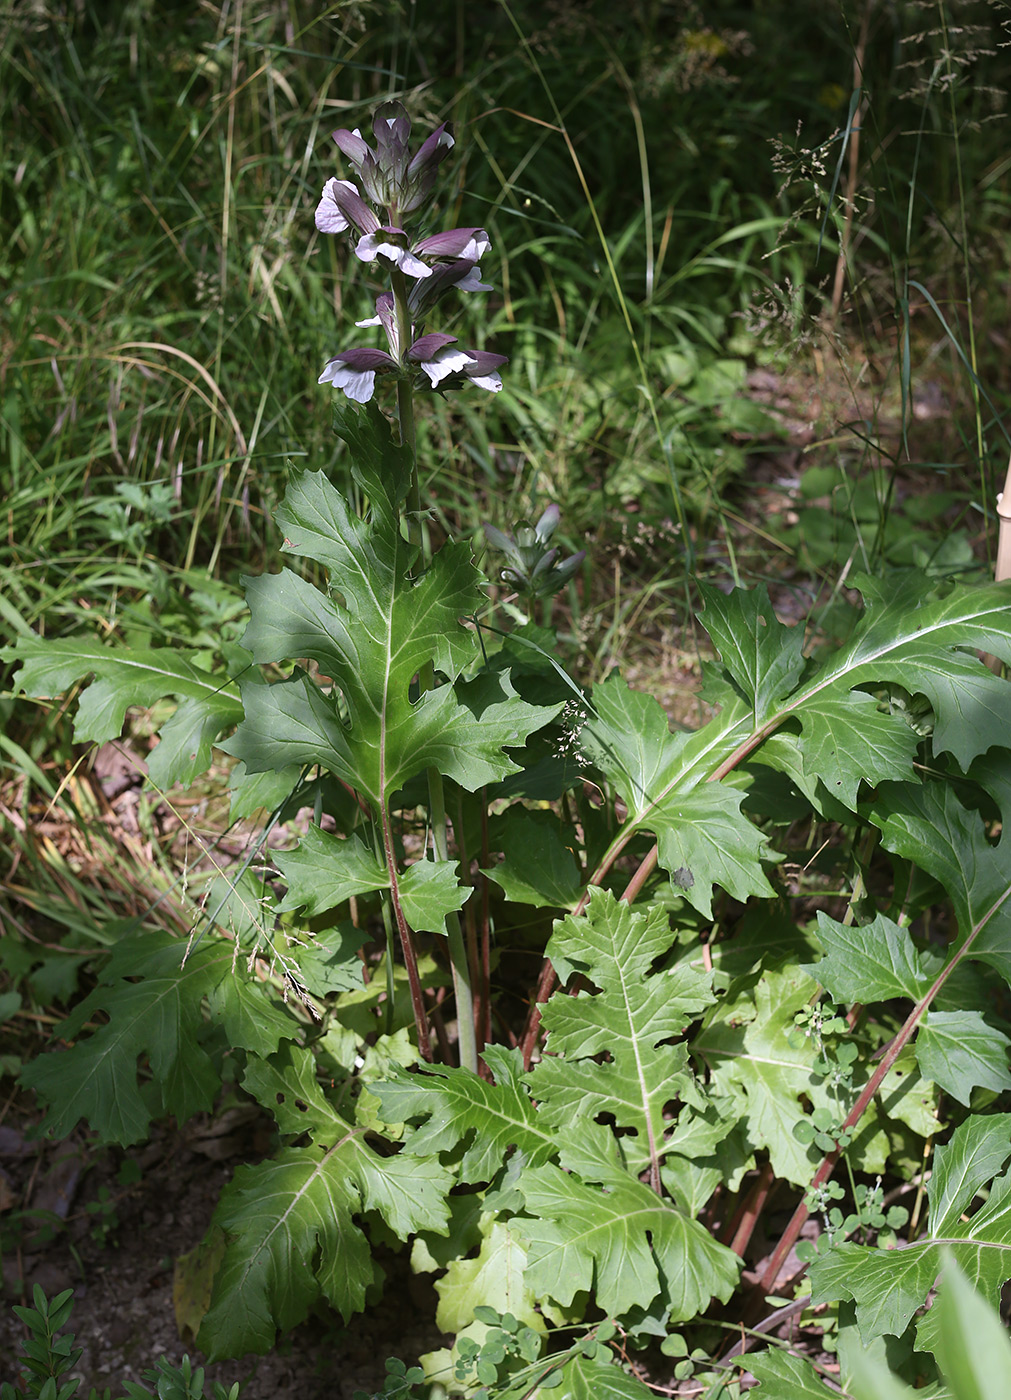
633, 1018
463, 1110
379, 628
616, 1237
123, 677
159, 1017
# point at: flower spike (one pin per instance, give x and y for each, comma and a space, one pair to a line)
397, 183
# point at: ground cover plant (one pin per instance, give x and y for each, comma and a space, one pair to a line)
745, 987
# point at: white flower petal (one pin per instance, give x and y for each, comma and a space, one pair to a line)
329, 218
472, 282
358, 384
412, 266
444, 363
477, 247
492, 382
373, 245
370, 245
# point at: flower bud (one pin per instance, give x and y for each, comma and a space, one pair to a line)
531, 566
388, 177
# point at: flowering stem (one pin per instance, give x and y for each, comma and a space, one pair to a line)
459, 964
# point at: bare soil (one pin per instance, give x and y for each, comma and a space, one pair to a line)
70, 1222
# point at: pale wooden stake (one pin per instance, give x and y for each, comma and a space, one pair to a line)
1002, 569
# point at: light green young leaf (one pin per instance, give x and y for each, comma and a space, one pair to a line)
494, 1278
958, 1051
622, 1242
760, 1058
629, 1017
123, 677
461, 1107
874, 962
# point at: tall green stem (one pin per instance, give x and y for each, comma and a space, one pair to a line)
459, 962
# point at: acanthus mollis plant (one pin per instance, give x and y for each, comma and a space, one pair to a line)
585, 1165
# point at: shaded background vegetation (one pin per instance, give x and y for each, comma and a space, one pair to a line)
666, 188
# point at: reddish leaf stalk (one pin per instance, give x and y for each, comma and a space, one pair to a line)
547, 980
406, 944
742, 1224
768, 1280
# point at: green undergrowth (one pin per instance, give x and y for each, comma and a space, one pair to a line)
718, 1031
538, 988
